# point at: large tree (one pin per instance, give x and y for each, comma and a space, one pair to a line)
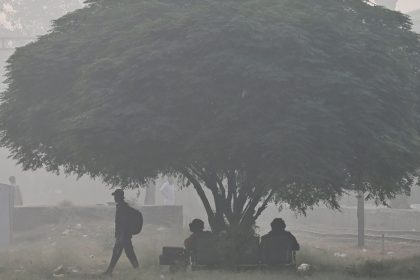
287, 101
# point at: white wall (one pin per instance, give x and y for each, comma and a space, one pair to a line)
5, 216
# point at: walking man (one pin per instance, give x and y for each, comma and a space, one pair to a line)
122, 233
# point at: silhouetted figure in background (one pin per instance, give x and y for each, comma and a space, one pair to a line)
279, 245
150, 197
122, 233
17, 195
197, 229
168, 192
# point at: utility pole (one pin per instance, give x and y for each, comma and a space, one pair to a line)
360, 219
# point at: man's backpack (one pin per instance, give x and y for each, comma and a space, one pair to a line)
135, 219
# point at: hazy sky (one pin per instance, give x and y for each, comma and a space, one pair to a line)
408, 5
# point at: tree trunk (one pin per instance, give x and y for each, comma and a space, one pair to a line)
233, 206
200, 192
360, 220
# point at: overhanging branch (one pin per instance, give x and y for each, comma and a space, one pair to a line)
200, 192
264, 205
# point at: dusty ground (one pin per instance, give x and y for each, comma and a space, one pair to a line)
84, 251
373, 248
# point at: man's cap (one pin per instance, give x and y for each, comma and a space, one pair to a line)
118, 192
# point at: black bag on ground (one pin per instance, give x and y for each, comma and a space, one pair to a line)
173, 256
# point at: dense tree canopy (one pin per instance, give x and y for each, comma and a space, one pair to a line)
289, 101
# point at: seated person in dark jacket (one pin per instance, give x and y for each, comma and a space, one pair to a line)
197, 229
278, 245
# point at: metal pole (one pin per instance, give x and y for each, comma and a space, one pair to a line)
383, 244
360, 220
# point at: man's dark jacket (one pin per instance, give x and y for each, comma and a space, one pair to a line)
122, 226
290, 242
277, 248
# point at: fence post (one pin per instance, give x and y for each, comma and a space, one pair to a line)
383, 244
360, 219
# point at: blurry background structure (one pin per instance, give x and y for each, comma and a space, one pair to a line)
5, 215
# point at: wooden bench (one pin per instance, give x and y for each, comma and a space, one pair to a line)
275, 255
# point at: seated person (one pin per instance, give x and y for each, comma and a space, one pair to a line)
278, 246
197, 229
201, 246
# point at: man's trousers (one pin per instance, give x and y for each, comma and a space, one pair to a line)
120, 245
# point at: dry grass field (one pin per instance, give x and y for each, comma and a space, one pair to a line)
83, 251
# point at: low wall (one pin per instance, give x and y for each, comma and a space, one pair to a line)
375, 218
26, 218
5, 216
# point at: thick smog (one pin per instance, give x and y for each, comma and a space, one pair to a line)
252, 139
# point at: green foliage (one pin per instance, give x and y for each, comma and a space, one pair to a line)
288, 101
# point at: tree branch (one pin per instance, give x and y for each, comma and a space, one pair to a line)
250, 208
231, 181
239, 203
199, 173
219, 200
264, 205
221, 186
201, 193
